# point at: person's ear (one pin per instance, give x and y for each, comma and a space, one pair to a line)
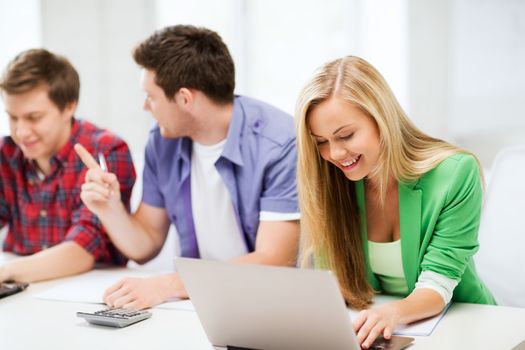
185, 98
69, 109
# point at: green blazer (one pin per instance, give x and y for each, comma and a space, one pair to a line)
439, 222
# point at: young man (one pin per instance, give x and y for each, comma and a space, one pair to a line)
41, 176
220, 168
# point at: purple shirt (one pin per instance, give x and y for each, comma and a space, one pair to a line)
258, 166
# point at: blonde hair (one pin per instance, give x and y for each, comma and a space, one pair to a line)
329, 212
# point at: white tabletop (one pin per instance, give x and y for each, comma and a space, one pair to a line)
28, 322
473, 326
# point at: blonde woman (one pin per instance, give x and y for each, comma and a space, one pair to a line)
386, 207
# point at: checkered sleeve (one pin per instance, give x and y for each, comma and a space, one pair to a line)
4, 207
86, 228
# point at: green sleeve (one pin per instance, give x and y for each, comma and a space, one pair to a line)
455, 237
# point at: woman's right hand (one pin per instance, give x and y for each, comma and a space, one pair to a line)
372, 323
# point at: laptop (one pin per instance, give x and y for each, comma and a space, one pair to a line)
268, 307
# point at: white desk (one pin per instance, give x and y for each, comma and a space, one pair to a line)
27, 322
472, 326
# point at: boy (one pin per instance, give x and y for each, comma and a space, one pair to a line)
41, 176
220, 167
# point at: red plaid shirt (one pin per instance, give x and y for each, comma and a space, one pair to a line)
43, 213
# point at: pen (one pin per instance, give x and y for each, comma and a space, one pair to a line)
102, 162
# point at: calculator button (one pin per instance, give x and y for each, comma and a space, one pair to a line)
115, 317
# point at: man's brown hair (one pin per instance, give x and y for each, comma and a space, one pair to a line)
190, 57
36, 66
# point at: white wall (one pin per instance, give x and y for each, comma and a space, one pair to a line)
283, 53
488, 66
466, 72
276, 45
429, 73
20, 29
384, 42
487, 94
98, 36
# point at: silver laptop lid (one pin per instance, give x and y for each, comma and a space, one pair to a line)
267, 307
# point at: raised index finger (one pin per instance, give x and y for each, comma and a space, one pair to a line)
86, 157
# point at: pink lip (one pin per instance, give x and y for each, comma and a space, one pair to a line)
29, 144
350, 167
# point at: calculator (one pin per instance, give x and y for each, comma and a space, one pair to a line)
115, 317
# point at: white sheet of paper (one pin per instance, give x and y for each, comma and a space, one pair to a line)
90, 286
178, 304
419, 328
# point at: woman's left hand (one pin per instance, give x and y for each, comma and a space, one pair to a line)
372, 323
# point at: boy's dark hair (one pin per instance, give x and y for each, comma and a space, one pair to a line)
190, 57
33, 67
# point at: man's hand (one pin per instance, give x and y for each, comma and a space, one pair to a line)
101, 190
141, 293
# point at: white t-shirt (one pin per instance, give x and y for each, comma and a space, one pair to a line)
218, 234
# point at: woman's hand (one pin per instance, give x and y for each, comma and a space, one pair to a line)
372, 323
383, 320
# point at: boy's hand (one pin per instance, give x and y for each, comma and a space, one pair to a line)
101, 190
